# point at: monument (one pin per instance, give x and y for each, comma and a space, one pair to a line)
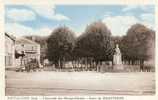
117, 59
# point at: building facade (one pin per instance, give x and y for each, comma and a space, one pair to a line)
30, 49
9, 51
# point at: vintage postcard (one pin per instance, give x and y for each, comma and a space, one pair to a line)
79, 50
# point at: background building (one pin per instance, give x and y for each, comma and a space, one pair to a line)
9, 51
30, 49
43, 45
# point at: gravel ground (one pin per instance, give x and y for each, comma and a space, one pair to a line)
79, 83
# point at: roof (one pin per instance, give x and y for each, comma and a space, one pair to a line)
10, 36
23, 40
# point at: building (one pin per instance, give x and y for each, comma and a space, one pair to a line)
9, 51
30, 49
43, 45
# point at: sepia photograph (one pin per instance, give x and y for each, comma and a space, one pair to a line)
54, 50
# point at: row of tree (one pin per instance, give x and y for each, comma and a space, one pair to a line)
96, 45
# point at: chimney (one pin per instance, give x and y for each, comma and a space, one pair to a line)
33, 38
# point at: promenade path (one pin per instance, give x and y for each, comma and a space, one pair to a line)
49, 83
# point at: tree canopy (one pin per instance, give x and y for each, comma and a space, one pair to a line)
135, 45
60, 45
95, 42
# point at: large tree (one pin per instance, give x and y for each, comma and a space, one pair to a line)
95, 42
136, 44
60, 45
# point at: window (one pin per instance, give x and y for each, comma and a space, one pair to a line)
8, 60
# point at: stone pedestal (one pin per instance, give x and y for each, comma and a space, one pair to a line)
118, 68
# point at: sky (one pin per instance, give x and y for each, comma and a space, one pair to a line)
21, 20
